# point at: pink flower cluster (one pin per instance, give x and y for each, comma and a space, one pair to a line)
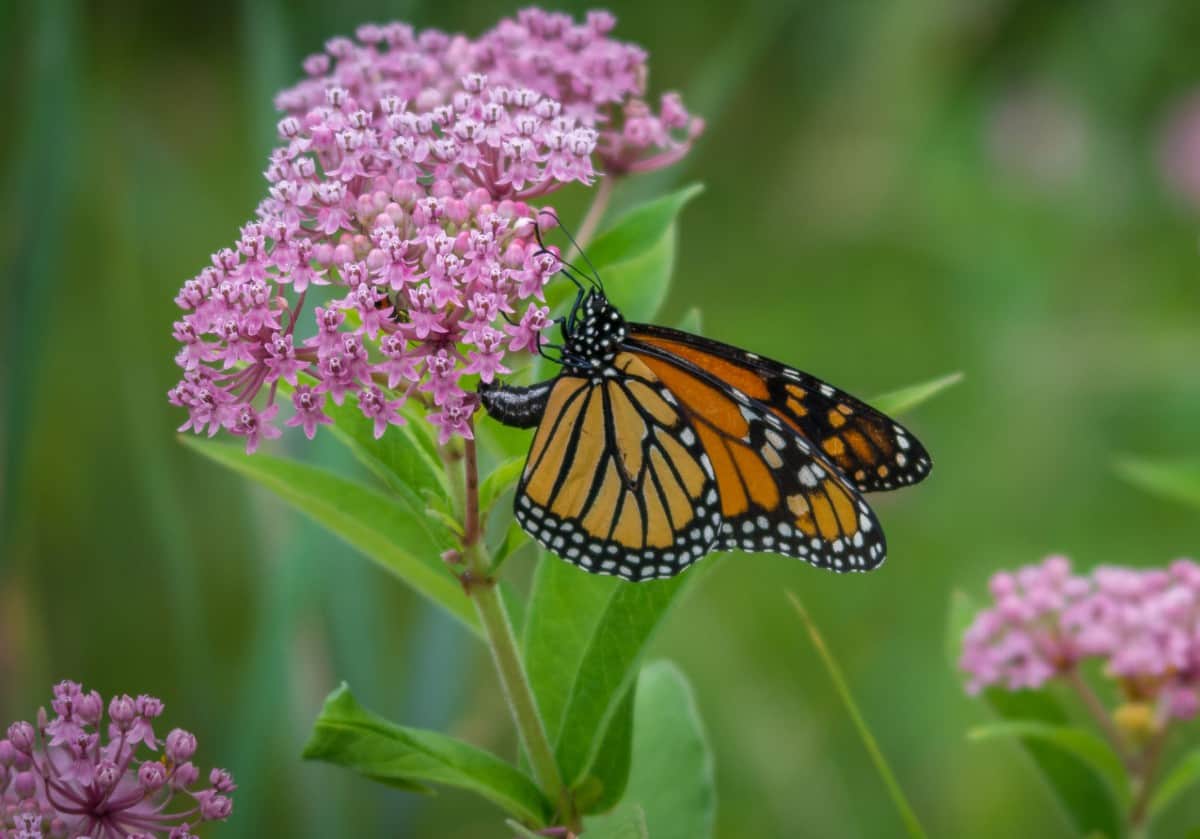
398, 209
1143, 625
61, 779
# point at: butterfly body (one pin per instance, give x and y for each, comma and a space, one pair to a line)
655, 447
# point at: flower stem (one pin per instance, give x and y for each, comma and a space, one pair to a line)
502, 642
591, 220
1143, 784
1103, 719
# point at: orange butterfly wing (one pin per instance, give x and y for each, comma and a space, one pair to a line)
870, 449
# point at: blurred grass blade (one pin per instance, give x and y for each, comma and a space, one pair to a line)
381, 528
1178, 480
348, 735
1078, 742
906, 398
907, 814
1184, 774
1083, 793
672, 787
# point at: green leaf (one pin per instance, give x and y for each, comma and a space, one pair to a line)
671, 781
638, 230
628, 823
514, 539
1079, 789
604, 784
692, 321
405, 458
565, 604
522, 831
1078, 742
348, 735
499, 480
907, 815
1184, 774
1178, 480
607, 670
384, 529
906, 398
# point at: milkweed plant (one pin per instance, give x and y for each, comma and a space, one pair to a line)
395, 262
1118, 646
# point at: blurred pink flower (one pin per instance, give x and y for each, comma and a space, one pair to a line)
402, 182
1144, 625
1179, 149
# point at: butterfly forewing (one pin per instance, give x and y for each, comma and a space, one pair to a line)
776, 492
616, 480
870, 449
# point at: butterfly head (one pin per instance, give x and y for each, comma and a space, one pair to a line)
593, 332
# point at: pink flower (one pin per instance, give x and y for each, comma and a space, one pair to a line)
60, 778
1142, 624
403, 178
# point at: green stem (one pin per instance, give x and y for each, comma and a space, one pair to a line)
1143, 779
502, 642
591, 220
1100, 714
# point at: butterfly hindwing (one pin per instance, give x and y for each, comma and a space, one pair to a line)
870, 449
616, 480
777, 492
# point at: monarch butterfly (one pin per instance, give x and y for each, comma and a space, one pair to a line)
655, 447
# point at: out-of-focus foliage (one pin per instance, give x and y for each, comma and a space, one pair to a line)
893, 191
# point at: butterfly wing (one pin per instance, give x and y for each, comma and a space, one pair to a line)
870, 449
776, 491
616, 480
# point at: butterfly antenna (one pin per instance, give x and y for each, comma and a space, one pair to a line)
595, 278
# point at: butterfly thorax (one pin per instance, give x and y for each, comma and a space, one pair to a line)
593, 333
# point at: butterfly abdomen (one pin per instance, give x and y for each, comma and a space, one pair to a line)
519, 407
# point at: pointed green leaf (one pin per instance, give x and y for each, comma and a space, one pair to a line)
1184, 774
638, 230
1178, 480
1078, 742
382, 528
671, 781
634, 257
692, 321
499, 480
514, 540
906, 398
348, 735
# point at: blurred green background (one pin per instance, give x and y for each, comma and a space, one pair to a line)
895, 191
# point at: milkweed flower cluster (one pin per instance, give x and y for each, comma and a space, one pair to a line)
399, 197
61, 778
1142, 625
